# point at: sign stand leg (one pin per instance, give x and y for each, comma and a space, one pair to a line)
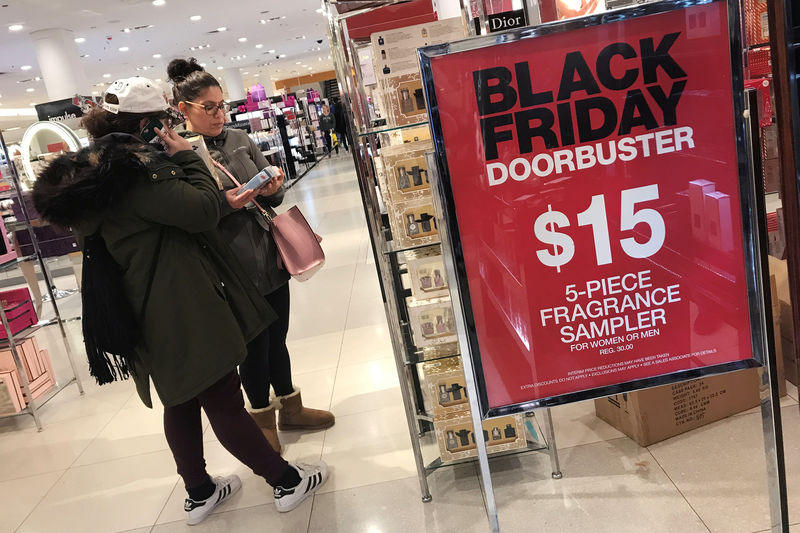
552, 447
770, 395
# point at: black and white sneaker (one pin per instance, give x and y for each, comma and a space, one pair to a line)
197, 511
312, 477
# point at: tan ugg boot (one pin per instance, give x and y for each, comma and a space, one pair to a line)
265, 418
292, 415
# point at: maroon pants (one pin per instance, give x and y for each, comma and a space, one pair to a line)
236, 430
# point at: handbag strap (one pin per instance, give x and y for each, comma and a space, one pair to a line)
151, 276
236, 182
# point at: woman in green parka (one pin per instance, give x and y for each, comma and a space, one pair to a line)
199, 308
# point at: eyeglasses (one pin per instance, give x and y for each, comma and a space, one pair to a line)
211, 109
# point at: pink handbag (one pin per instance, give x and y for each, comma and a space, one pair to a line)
298, 245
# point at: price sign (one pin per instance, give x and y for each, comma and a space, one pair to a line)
592, 189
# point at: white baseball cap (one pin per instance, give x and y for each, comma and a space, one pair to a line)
136, 95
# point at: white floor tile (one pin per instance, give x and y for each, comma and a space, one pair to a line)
366, 386
112, 496
319, 305
21, 496
311, 354
366, 306
721, 470
133, 431
26, 452
611, 487
577, 424
396, 506
367, 343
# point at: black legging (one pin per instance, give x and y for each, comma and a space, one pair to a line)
236, 430
341, 137
328, 142
267, 361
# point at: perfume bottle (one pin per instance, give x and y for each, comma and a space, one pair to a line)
496, 435
383, 54
444, 395
456, 389
419, 97
425, 175
416, 176
424, 32
406, 105
427, 331
440, 326
425, 282
413, 227
380, 40
386, 69
510, 432
425, 222
402, 178
452, 443
438, 280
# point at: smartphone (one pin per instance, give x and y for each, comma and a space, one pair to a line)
149, 132
258, 181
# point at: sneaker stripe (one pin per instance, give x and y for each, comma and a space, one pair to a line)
311, 484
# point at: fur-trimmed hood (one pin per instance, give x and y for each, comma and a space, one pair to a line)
79, 187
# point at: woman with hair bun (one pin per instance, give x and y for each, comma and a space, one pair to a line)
199, 97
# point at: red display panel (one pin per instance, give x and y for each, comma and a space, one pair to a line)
596, 190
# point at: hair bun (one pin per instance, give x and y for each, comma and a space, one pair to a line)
180, 69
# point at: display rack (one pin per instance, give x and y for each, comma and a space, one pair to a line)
367, 137
13, 341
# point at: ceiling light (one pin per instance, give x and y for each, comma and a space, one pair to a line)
127, 30
32, 104
30, 89
159, 2
245, 73
222, 28
37, 78
25, 67
242, 39
319, 58
310, 68
318, 10
15, 27
158, 80
298, 63
123, 48
85, 55
220, 67
259, 46
106, 75
202, 64
80, 40
304, 36
282, 55
95, 92
262, 21
195, 18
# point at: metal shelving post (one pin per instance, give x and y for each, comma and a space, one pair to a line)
33, 406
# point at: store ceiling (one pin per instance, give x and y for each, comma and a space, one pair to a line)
291, 34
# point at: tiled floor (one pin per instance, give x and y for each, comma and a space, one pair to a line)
102, 464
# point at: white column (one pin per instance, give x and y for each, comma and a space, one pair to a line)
234, 83
60, 64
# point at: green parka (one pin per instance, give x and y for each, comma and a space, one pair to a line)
202, 308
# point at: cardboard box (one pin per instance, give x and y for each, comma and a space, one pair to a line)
777, 268
652, 415
776, 307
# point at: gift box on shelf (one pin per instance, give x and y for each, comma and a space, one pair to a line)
413, 223
446, 387
7, 403
406, 171
432, 322
19, 310
37, 366
457, 439
426, 270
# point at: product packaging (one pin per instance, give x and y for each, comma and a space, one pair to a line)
432, 322
426, 270
406, 171
446, 387
457, 439
413, 223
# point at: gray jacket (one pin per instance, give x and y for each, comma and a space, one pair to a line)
244, 229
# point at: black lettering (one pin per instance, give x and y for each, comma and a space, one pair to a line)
652, 58
491, 136
583, 114
544, 130
604, 74
668, 104
575, 64
527, 98
565, 123
484, 91
636, 102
